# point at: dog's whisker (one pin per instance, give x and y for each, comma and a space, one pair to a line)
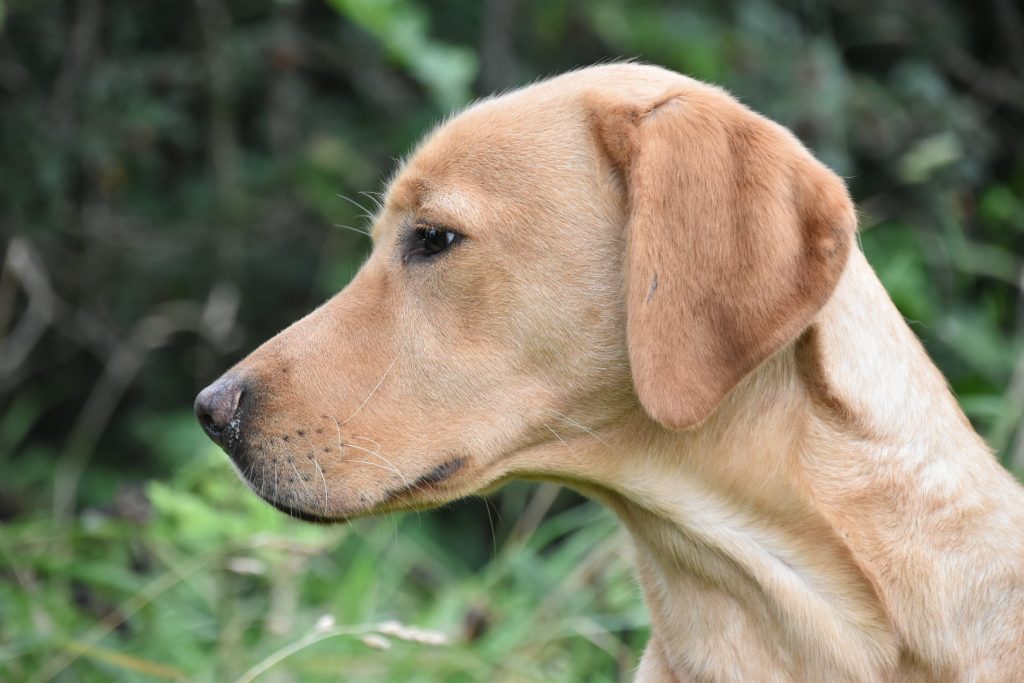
387, 462
337, 426
359, 448
581, 427
353, 202
373, 464
301, 481
324, 479
276, 490
558, 436
366, 438
365, 233
396, 470
376, 197
372, 391
365, 212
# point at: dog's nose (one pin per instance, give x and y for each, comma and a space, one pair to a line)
217, 404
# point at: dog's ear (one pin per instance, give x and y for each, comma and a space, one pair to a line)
736, 237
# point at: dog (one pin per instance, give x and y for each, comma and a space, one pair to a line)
625, 281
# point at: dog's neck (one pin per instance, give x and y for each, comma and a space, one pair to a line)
735, 548
767, 537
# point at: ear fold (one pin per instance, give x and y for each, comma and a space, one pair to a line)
736, 237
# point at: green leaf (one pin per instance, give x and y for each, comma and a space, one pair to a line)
402, 27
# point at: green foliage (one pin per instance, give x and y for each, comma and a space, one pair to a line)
402, 28
211, 583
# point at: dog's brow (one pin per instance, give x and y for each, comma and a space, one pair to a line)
449, 208
423, 201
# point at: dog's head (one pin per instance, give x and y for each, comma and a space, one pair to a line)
618, 243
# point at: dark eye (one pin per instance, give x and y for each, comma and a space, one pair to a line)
429, 241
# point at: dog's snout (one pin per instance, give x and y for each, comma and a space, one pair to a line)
216, 406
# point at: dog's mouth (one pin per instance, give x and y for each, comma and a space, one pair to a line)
314, 472
419, 493
304, 515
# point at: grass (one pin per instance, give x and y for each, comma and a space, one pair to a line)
211, 585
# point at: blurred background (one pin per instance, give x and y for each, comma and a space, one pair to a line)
180, 180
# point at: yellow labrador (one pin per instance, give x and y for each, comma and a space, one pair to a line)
623, 280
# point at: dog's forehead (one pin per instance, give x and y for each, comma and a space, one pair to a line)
521, 145
489, 154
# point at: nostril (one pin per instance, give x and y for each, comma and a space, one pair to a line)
208, 424
216, 406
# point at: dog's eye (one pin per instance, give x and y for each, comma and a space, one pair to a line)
429, 241
435, 241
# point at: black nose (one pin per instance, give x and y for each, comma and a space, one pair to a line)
216, 406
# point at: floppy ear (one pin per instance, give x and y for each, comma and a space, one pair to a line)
736, 237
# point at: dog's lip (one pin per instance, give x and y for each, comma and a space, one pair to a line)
305, 515
391, 503
393, 500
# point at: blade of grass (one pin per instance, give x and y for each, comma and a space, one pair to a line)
125, 661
